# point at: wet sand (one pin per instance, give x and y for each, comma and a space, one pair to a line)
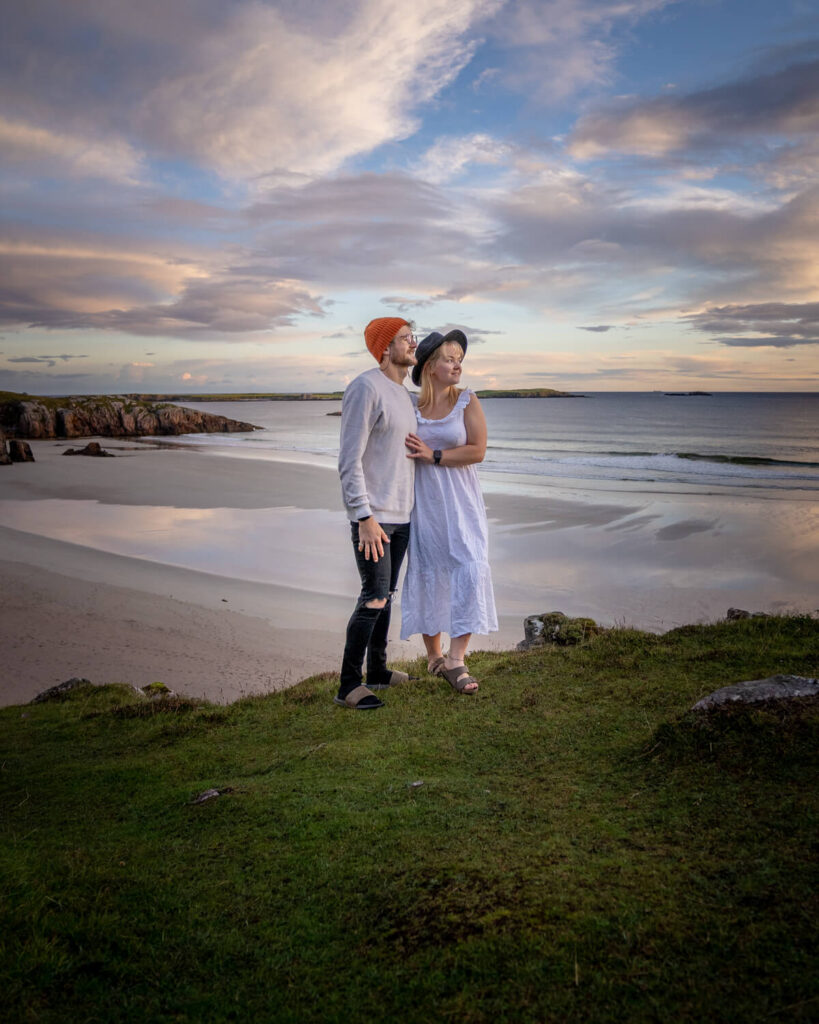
226, 576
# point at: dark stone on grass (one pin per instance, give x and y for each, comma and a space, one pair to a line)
20, 451
58, 692
755, 691
92, 448
736, 614
556, 628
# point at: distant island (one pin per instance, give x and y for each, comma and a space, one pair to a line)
688, 394
262, 396
138, 415
329, 396
527, 393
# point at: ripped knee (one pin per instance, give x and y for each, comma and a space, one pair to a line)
377, 602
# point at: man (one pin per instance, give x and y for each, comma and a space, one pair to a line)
377, 483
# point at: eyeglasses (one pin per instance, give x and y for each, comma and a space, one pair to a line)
406, 337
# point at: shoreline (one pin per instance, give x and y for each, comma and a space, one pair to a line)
223, 576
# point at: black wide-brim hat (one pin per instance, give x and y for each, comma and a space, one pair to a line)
429, 345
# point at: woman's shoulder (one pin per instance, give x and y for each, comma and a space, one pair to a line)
465, 396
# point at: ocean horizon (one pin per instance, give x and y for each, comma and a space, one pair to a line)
647, 440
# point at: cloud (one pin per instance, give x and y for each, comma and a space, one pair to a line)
245, 88
205, 310
59, 154
474, 335
86, 283
406, 305
378, 230
450, 157
47, 360
770, 324
598, 329
558, 48
691, 250
780, 102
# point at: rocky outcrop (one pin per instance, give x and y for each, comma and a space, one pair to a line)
20, 451
5, 458
556, 628
107, 417
93, 448
756, 691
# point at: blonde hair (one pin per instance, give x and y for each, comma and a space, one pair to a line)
426, 396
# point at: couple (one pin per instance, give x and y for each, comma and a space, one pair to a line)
397, 451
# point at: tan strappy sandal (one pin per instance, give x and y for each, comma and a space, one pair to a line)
459, 678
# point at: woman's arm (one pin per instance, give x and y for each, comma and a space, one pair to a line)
464, 455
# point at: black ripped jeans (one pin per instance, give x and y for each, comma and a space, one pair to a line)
368, 628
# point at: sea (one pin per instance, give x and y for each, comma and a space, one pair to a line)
648, 441
647, 509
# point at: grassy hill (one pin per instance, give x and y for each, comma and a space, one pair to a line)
572, 844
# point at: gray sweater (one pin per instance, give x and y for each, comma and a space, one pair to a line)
377, 478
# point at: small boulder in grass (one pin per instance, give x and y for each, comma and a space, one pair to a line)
211, 794
757, 691
60, 690
556, 628
738, 614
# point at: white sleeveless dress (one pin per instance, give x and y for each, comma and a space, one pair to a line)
448, 586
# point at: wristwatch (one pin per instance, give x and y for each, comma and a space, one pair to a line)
436, 456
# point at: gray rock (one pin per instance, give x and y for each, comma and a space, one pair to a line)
735, 614
756, 690
211, 794
208, 794
20, 451
55, 692
556, 628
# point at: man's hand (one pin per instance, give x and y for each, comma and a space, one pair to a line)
371, 539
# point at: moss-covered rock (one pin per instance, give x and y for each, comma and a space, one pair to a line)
557, 628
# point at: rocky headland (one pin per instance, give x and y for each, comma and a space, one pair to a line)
24, 416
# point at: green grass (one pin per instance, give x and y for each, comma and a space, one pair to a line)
582, 848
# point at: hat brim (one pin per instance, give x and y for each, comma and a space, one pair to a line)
431, 344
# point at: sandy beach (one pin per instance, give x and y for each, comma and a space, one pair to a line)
224, 576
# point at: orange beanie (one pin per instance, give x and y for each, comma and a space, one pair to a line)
379, 333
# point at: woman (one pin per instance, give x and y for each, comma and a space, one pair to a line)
448, 586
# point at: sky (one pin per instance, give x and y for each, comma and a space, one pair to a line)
218, 195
